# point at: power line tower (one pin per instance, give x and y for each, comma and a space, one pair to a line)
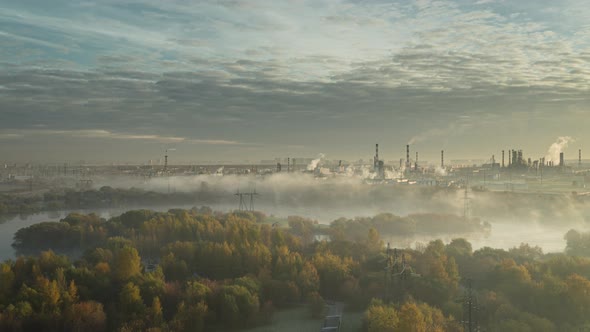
397, 272
246, 200
470, 310
241, 206
252, 195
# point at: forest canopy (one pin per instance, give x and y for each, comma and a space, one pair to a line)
199, 270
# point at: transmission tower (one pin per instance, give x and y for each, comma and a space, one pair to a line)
397, 271
252, 196
246, 204
470, 310
241, 206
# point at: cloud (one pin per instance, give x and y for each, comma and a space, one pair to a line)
237, 73
105, 134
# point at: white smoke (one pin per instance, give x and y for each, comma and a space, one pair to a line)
556, 148
367, 172
392, 174
350, 170
314, 163
440, 171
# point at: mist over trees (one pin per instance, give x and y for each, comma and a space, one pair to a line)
199, 270
329, 199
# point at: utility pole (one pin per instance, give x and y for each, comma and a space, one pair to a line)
466, 200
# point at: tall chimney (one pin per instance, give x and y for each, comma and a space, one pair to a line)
416, 161
509, 157
377, 151
288, 164
376, 160
580, 157
408, 156
502, 158
442, 158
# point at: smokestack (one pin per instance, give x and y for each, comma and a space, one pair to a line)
580, 157
442, 158
408, 156
166, 161
509, 157
561, 161
377, 151
502, 158
288, 164
416, 161
376, 161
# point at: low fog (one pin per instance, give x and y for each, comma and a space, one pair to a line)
537, 219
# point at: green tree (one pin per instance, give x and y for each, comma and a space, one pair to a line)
131, 304
7, 282
381, 318
127, 263
190, 317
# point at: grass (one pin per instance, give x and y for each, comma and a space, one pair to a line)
299, 320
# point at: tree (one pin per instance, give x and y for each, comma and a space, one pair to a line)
85, 316
127, 263
374, 243
237, 305
578, 297
196, 292
156, 316
381, 318
130, 302
317, 305
7, 281
302, 227
190, 317
308, 279
135, 218
411, 318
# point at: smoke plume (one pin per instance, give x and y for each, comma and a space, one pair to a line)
314, 163
556, 148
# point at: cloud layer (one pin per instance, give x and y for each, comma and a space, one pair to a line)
256, 78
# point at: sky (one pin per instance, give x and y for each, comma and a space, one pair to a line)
231, 80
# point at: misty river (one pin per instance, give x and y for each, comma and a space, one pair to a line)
504, 235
